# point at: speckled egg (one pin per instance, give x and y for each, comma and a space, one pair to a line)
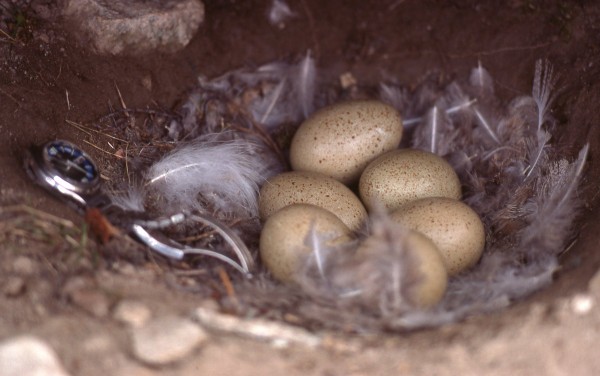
285, 240
297, 187
452, 225
425, 278
404, 175
340, 140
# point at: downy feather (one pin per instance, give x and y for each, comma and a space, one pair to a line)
379, 277
131, 199
482, 83
543, 84
538, 153
553, 208
291, 95
208, 174
304, 84
279, 12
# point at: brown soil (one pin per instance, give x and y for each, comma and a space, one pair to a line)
46, 77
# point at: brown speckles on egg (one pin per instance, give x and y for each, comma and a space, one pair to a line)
311, 188
400, 176
340, 140
452, 225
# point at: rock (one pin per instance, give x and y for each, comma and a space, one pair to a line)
24, 266
28, 356
87, 296
278, 334
132, 313
582, 304
166, 340
14, 286
98, 343
131, 27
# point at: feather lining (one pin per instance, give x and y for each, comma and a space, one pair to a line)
511, 173
525, 196
210, 174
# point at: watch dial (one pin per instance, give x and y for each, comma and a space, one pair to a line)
70, 162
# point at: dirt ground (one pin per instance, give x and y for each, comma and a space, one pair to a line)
47, 77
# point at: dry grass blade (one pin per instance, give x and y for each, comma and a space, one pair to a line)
61, 242
46, 218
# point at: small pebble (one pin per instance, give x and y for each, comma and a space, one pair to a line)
14, 286
98, 343
276, 333
347, 80
132, 313
86, 295
582, 304
29, 356
24, 266
166, 340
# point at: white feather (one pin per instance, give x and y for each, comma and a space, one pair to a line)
210, 174
482, 82
304, 84
270, 101
289, 96
435, 119
482, 120
279, 12
538, 152
394, 96
132, 199
543, 84
553, 209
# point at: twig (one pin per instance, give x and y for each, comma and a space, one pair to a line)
8, 36
102, 150
197, 237
188, 273
87, 130
68, 103
500, 50
121, 99
138, 111
227, 284
37, 213
274, 332
127, 164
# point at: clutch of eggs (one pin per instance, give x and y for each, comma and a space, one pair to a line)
357, 142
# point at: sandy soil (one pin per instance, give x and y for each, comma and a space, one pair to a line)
46, 77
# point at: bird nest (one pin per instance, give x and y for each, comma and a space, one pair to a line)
231, 133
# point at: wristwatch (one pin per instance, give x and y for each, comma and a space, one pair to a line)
64, 169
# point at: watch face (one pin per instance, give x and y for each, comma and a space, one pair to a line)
70, 163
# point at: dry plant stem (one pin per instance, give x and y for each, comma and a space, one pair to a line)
87, 130
121, 99
45, 217
228, 285
102, 150
255, 328
128, 111
68, 102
